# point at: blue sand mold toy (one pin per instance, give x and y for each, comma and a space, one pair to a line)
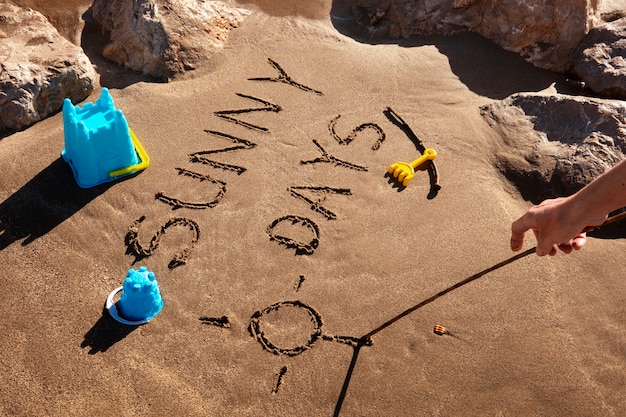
99, 146
140, 300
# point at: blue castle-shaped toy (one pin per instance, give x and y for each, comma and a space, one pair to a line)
99, 146
141, 299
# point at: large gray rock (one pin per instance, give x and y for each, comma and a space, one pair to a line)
164, 38
601, 59
546, 33
554, 144
38, 68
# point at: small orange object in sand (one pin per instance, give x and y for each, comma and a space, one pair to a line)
440, 330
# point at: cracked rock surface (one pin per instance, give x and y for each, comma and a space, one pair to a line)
38, 68
554, 144
165, 38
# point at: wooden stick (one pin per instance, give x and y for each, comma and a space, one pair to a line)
474, 277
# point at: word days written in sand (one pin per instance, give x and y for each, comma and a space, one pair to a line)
312, 196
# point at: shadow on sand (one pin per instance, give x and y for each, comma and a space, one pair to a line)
105, 333
481, 65
49, 198
93, 40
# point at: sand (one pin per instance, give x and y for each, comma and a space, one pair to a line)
254, 327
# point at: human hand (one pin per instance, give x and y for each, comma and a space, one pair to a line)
555, 225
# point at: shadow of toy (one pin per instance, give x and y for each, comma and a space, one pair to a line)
105, 333
47, 200
433, 174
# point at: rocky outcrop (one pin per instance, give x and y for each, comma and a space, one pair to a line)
545, 33
164, 38
554, 144
601, 59
38, 68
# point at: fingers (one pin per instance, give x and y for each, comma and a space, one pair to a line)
546, 250
579, 241
518, 229
556, 224
566, 248
544, 246
575, 244
517, 241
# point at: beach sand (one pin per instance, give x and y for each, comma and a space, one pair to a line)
537, 337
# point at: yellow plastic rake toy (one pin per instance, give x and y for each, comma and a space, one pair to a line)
405, 172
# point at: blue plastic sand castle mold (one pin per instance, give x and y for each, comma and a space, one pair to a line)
99, 146
140, 300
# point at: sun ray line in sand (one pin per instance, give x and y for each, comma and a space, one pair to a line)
284, 78
367, 341
279, 379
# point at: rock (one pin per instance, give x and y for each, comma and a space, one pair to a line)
555, 144
164, 38
545, 33
38, 68
601, 59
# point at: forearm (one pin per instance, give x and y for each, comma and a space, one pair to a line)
602, 196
